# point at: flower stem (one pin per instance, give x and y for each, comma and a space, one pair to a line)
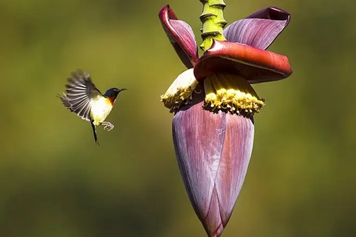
213, 22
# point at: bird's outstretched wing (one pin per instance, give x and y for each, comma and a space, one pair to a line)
80, 89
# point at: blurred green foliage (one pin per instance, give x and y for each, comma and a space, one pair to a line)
56, 182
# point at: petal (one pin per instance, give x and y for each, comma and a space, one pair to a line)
234, 162
198, 140
259, 33
255, 65
273, 13
259, 29
213, 152
181, 36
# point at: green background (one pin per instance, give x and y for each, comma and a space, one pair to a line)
54, 180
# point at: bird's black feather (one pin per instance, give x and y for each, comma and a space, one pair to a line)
80, 89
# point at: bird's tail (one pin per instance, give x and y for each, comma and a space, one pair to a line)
94, 132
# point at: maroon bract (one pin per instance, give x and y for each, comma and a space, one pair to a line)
251, 36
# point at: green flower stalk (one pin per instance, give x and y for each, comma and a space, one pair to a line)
213, 22
214, 102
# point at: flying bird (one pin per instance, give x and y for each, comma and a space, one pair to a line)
83, 98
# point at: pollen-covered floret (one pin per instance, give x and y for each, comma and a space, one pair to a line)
222, 91
180, 92
231, 93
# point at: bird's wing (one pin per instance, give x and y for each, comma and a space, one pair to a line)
80, 89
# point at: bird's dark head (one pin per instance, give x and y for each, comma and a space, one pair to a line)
113, 92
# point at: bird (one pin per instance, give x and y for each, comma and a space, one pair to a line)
84, 98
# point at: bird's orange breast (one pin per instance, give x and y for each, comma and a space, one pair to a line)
111, 100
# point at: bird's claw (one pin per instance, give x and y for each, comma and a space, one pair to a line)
108, 127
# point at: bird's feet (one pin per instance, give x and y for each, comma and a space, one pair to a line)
107, 126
